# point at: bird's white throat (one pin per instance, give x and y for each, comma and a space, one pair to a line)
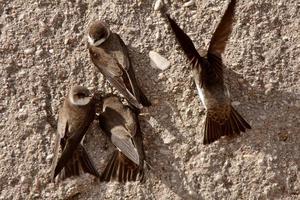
98, 42
81, 101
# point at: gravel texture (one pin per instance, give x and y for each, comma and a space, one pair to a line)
43, 52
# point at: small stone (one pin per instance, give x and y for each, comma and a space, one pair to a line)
263, 117
158, 5
158, 61
218, 177
39, 52
165, 116
268, 88
157, 35
155, 101
2, 144
235, 103
261, 162
51, 51
49, 157
67, 40
29, 51
193, 193
189, 3
23, 179
161, 76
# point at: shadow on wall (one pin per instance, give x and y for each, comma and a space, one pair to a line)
274, 137
268, 113
165, 167
273, 118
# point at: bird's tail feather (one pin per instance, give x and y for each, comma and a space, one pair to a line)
121, 169
233, 126
80, 161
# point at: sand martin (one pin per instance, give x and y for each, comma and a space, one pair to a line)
121, 125
75, 117
110, 55
221, 118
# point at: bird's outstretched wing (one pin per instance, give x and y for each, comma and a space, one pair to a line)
185, 42
198, 63
218, 42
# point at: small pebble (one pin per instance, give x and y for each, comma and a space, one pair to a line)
235, 103
263, 117
218, 177
39, 52
268, 88
165, 116
189, 3
23, 179
158, 4
158, 61
29, 51
49, 157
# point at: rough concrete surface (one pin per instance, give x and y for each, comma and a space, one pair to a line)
43, 52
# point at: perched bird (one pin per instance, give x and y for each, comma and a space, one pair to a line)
110, 55
221, 118
121, 125
75, 117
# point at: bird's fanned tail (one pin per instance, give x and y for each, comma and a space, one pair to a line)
234, 125
122, 169
79, 162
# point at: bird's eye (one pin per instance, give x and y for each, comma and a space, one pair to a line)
81, 95
102, 35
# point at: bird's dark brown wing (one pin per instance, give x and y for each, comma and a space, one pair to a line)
70, 141
218, 43
122, 139
129, 76
185, 42
119, 134
198, 63
120, 123
221, 34
114, 73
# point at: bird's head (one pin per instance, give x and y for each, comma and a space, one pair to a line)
80, 96
98, 33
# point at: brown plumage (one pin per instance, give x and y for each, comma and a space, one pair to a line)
121, 125
110, 55
74, 119
221, 118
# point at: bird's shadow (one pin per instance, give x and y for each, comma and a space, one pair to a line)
274, 135
262, 107
160, 131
